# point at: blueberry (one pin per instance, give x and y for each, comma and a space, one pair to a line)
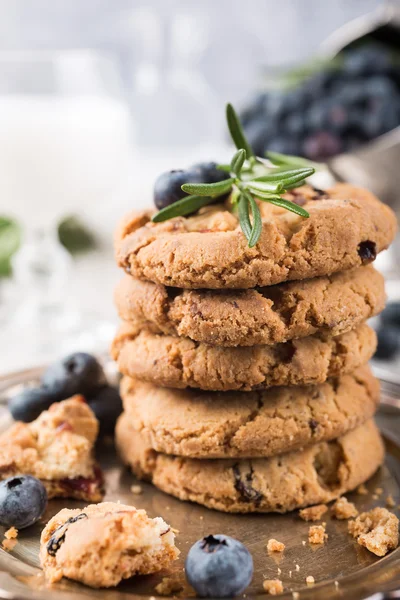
219, 566
78, 373
28, 404
23, 500
167, 188
388, 343
107, 406
209, 172
391, 315
321, 144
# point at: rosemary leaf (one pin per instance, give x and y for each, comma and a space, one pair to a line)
236, 131
238, 161
295, 208
182, 208
209, 189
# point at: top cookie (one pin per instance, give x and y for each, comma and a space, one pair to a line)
208, 250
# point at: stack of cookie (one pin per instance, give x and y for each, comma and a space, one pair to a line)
246, 385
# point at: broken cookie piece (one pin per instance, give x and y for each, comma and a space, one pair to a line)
376, 530
58, 449
313, 513
104, 543
317, 534
273, 586
275, 546
343, 509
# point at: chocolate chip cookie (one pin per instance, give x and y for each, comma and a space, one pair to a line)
104, 543
271, 315
346, 229
176, 362
317, 474
246, 424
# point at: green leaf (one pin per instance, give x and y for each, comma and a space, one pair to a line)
236, 131
10, 240
295, 208
209, 189
286, 175
296, 184
244, 216
182, 208
238, 161
257, 222
225, 168
75, 235
264, 186
289, 160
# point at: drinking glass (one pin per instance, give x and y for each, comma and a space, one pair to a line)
65, 148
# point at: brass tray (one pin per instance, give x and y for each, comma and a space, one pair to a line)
341, 568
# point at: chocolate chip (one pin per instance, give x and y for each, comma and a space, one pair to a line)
367, 251
245, 486
313, 424
235, 304
319, 193
58, 537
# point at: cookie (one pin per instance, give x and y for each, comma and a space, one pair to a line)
176, 362
248, 424
331, 304
317, 474
58, 449
104, 543
346, 229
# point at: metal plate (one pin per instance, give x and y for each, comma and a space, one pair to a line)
341, 568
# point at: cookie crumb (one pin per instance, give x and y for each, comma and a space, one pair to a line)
343, 509
11, 533
362, 490
379, 491
390, 501
168, 586
275, 546
376, 530
317, 534
313, 513
295, 595
8, 544
273, 586
310, 580
303, 542
336, 584
297, 567
279, 571
136, 489
290, 573
375, 496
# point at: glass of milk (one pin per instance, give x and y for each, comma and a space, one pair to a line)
65, 148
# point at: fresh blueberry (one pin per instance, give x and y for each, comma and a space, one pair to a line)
23, 500
388, 343
321, 144
209, 172
391, 315
107, 406
78, 373
28, 404
219, 566
167, 188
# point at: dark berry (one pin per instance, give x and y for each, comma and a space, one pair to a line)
367, 251
388, 343
167, 188
79, 373
28, 404
23, 500
321, 145
219, 566
391, 315
209, 172
107, 406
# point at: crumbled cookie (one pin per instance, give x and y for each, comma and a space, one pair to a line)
390, 501
58, 449
317, 474
273, 586
11, 533
310, 580
378, 491
313, 513
9, 544
171, 361
208, 250
362, 490
169, 586
104, 543
275, 546
376, 530
136, 489
343, 509
271, 315
258, 423
317, 534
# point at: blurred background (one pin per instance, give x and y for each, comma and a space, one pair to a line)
98, 97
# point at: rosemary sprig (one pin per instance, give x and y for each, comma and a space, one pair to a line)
251, 178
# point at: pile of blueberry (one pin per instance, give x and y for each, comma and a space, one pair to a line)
167, 188
337, 109
78, 373
389, 332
